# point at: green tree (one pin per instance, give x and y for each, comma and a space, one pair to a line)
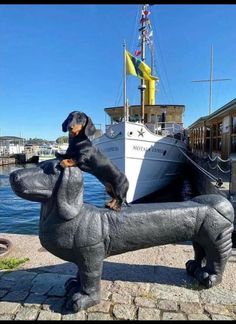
62, 140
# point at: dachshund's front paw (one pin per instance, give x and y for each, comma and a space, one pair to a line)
67, 163
78, 301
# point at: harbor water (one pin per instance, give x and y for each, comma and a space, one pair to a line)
20, 216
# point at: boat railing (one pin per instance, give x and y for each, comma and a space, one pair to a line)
171, 129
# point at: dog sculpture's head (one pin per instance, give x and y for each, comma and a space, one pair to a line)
76, 122
49, 182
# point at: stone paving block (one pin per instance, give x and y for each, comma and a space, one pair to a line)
45, 315
130, 288
174, 293
3, 292
106, 284
121, 299
167, 316
168, 305
215, 317
44, 282
191, 308
41, 288
7, 284
125, 312
99, 317
16, 296
80, 316
35, 300
27, 314
105, 294
8, 307
103, 307
198, 317
58, 291
217, 295
6, 317
51, 278
53, 304
216, 309
19, 275
148, 314
144, 302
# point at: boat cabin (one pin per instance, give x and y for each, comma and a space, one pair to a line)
215, 134
157, 118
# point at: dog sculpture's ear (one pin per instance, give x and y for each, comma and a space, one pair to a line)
70, 193
90, 129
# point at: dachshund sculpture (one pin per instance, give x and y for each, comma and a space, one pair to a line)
89, 158
86, 235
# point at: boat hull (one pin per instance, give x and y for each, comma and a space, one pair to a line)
150, 161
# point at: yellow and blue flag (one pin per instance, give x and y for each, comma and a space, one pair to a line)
138, 68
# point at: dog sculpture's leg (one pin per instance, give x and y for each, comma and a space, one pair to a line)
216, 258
196, 264
88, 291
217, 254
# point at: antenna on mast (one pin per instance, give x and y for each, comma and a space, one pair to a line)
210, 81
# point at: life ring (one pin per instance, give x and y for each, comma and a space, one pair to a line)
5, 246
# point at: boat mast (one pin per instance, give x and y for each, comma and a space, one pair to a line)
142, 86
126, 111
210, 81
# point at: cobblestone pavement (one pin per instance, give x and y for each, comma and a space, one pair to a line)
129, 292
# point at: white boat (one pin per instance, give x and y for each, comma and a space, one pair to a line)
144, 140
48, 152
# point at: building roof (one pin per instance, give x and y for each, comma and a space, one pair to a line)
10, 138
222, 110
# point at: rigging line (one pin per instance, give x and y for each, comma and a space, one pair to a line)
131, 41
163, 60
119, 93
136, 26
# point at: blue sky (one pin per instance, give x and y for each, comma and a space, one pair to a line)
58, 58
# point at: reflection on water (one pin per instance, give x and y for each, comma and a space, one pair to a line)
21, 216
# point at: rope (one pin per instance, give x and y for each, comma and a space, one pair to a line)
208, 174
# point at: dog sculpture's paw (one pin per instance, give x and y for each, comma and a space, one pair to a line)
206, 279
71, 283
192, 266
79, 301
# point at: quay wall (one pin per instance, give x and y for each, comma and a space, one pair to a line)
7, 160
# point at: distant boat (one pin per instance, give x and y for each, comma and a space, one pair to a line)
48, 152
144, 140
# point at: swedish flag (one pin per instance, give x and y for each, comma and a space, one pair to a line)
138, 68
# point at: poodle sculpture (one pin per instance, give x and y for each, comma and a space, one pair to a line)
85, 234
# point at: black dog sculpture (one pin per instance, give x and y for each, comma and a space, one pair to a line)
86, 235
82, 153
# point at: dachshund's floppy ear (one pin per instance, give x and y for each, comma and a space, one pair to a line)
90, 129
70, 193
64, 125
